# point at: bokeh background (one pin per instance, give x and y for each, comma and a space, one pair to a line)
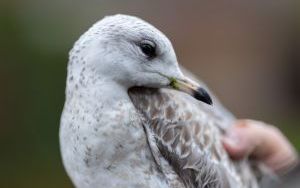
246, 51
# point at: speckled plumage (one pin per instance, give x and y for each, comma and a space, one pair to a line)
112, 137
187, 135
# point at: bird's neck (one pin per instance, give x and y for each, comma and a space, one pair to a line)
96, 90
109, 92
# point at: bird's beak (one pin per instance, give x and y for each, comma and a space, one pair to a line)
192, 88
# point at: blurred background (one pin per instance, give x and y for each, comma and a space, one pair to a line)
246, 51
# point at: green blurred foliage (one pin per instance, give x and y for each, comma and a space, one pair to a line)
32, 97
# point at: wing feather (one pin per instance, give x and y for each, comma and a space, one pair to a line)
186, 134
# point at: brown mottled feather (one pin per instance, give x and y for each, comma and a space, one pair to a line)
174, 131
189, 138
185, 138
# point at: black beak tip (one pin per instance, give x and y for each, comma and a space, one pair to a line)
202, 95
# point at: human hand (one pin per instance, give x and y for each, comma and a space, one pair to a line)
263, 142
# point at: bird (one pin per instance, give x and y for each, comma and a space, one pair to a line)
134, 117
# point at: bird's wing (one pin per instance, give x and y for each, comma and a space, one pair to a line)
186, 133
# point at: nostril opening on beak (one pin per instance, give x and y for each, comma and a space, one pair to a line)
202, 95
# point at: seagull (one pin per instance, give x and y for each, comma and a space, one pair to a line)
133, 118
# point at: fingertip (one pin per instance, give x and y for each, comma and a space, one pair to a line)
237, 141
233, 148
253, 138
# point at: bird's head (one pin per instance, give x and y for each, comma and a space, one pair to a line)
132, 52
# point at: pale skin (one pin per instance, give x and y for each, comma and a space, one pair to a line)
263, 142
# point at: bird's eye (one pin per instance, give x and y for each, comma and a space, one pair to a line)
148, 48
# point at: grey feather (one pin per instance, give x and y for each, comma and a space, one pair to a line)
115, 133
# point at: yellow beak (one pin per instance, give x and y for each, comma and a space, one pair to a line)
190, 87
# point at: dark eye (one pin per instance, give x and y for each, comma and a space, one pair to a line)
148, 48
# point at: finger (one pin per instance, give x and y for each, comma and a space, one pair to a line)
261, 141
240, 141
